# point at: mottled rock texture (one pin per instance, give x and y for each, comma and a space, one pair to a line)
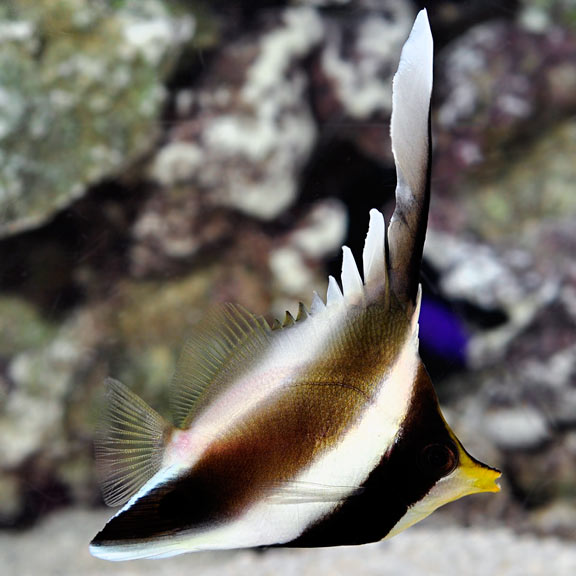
158, 157
81, 88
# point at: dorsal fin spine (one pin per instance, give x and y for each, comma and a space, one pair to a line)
288, 320
333, 294
317, 304
302, 312
351, 280
374, 254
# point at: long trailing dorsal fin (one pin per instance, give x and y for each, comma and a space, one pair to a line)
393, 259
233, 336
410, 133
129, 443
228, 338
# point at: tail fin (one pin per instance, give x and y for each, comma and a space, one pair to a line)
410, 133
129, 443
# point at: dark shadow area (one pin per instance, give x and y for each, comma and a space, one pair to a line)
77, 255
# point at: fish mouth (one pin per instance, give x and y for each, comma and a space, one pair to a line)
472, 475
486, 479
478, 476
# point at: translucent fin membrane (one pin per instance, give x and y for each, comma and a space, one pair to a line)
228, 339
129, 444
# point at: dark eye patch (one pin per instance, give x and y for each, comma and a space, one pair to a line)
439, 459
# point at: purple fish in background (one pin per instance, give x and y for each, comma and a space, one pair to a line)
442, 332
323, 430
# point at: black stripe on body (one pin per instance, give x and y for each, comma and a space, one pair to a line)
277, 441
400, 480
244, 465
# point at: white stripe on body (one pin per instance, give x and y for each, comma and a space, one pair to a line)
290, 354
349, 464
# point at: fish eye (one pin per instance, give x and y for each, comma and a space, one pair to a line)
439, 458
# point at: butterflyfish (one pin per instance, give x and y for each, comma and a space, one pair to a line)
322, 430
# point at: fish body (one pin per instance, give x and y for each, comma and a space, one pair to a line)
323, 430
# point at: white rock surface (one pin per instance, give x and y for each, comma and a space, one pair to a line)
364, 83
255, 149
59, 546
519, 428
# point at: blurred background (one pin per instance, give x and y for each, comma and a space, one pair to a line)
158, 156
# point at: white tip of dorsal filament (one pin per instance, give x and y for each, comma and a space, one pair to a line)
334, 294
317, 304
374, 255
411, 91
351, 280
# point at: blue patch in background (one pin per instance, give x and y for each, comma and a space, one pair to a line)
442, 332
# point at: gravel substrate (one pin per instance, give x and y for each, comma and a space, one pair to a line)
59, 546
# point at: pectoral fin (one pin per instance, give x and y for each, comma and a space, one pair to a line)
300, 492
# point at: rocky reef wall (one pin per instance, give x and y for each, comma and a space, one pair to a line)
157, 157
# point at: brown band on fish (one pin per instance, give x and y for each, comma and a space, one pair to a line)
279, 440
402, 478
334, 414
